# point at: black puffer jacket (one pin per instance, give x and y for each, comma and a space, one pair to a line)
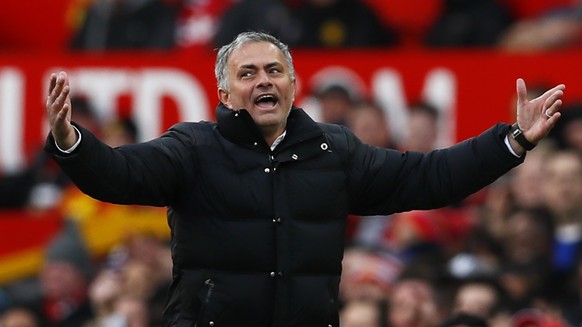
258, 235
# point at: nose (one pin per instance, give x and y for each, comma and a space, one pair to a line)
264, 79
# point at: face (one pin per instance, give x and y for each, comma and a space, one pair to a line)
563, 183
423, 132
259, 81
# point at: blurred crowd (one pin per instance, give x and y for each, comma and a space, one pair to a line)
508, 256
515, 25
98, 25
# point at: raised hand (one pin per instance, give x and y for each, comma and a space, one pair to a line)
58, 106
538, 116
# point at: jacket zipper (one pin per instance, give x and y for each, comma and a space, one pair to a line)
210, 285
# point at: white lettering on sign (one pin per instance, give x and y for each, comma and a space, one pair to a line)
11, 120
440, 90
387, 88
153, 85
147, 88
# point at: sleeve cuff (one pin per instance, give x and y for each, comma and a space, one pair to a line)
71, 149
506, 141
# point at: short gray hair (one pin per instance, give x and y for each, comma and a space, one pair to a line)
221, 68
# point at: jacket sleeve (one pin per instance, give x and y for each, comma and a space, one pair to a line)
384, 181
149, 173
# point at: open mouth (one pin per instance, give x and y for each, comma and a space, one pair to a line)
266, 101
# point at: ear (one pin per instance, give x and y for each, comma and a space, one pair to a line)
224, 98
294, 91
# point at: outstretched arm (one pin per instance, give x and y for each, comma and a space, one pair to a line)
536, 117
58, 106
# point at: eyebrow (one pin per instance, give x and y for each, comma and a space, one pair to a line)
269, 65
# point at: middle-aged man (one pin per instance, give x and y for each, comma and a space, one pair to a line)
257, 202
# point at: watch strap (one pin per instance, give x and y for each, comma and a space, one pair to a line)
518, 136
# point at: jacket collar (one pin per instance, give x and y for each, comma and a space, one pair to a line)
238, 127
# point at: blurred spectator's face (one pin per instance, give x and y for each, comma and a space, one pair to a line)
61, 280
365, 276
422, 129
563, 183
476, 299
139, 279
18, 318
522, 229
573, 134
259, 81
370, 127
526, 177
134, 310
412, 305
335, 107
360, 314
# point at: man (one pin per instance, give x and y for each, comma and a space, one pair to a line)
257, 202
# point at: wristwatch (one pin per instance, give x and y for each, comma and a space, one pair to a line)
517, 135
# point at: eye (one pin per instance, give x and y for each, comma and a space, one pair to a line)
275, 70
246, 74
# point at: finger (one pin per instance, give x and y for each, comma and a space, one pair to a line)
61, 82
62, 115
554, 119
551, 100
57, 88
554, 109
521, 90
551, 91
52, 83
61, 100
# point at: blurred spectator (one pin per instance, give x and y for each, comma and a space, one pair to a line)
104, 291
523, 226
478, 299
475, 23
119, 131
480, 257
422, 128
271, 16
562, 189
18, 317
134, 310
64, 280
568, 130
367, 275
114, 307
519, 284
131, 287
128, 24
361, 314
506, 194
335, 101
340, 23
558, 27
412, 304
368, 121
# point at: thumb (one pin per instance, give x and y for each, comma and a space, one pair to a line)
521, 91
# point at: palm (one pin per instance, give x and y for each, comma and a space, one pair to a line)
58, 106
531, 114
